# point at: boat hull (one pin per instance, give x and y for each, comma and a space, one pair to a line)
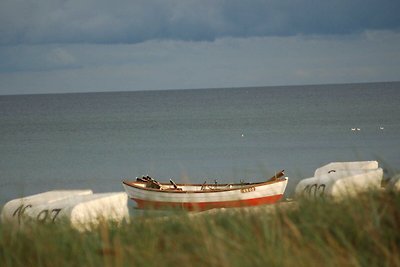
240, 196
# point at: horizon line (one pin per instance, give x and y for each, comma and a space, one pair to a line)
206, 88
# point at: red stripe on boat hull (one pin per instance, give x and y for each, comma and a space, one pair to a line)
148, 204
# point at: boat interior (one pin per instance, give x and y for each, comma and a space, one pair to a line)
149, 182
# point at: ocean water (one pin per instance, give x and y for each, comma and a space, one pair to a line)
95, 140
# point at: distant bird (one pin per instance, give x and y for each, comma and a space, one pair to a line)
242, 135
382, 128
353, 129
358, 129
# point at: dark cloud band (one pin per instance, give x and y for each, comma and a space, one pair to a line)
134, 21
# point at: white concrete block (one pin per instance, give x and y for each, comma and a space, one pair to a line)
83, 212
14, 209
81, 209
336, 180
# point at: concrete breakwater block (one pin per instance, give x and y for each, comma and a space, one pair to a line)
14, 209
81, 208
338, 179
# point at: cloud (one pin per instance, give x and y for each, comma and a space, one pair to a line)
225, 62
135, 21
98, 45
59, 56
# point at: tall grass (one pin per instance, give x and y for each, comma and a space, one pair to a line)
354, 232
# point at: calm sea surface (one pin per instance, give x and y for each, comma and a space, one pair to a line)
95, 140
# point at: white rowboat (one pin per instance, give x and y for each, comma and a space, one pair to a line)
149, 194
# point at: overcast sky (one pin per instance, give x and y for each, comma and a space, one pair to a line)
53, 46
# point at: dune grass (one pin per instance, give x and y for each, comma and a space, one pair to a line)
361, 231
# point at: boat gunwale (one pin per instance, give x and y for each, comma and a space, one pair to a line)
243, 186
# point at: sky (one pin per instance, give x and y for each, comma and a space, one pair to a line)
61, 46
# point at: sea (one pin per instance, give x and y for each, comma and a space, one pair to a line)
97, 140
